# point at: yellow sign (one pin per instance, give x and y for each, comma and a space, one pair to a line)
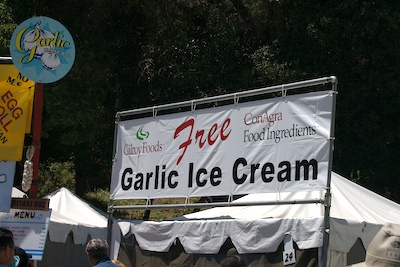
16, 105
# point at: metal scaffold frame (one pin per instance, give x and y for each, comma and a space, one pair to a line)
236, 97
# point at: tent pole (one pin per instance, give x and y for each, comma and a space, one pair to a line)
110, 212
110, 208
328, 195
219, 204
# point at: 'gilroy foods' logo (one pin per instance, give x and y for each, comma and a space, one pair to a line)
141, 135
143, 147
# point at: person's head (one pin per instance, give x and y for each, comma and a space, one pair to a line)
96, 250
6, 247
233, 261
21, 258
119, 263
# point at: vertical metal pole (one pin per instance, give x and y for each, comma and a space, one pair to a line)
110, 212
110, 209
328, 196
37, 129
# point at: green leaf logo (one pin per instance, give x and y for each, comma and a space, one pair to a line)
141, 135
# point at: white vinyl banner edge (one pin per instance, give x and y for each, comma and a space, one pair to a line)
271, 145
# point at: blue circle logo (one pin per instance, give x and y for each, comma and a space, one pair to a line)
42, 49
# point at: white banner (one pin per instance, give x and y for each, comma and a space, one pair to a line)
273, 145
7, 172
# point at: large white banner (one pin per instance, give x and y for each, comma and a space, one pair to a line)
273, 145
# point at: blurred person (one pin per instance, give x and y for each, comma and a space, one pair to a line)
233, 261
21, 258
97, 253
7, 251
384, 249
119, 263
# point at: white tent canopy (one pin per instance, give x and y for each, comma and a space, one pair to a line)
355, 213
72, 222
72, 214
349, 201
16, 193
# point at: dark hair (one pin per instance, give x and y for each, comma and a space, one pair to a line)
97, 248
23, 257
6, 238
233, 261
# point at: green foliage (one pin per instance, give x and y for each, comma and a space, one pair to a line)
7, 27
197, 49
267, 67
53, 175
132, 54
354, 40
100, 198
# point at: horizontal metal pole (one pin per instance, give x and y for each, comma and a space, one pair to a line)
218, 204
233, 96
5, 60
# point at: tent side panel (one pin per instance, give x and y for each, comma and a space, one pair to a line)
132, 256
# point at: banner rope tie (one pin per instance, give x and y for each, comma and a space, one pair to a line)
235, 99
284, 92
193, 106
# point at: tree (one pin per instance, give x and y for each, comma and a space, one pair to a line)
54, 175
7, 27
132, 54
354, 40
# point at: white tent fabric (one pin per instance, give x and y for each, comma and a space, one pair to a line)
16, 193
349, 201
72, 222
207, 236
72, 214
355, 213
